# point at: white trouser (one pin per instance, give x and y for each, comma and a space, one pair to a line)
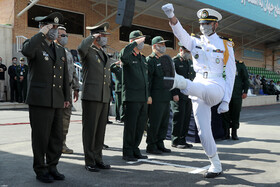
2, 87
206, 95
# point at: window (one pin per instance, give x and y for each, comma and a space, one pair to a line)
73, 22
151, 33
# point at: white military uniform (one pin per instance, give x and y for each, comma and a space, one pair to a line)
209, 88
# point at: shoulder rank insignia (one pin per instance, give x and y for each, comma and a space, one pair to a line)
195, 35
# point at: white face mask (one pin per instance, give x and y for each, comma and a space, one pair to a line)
52, 34
140, 46
206, 29
102, 41
63, 41
161, 49
187, 56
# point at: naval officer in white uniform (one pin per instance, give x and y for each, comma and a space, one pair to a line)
210, 53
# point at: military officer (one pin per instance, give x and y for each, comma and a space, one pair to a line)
62, 40
240, 90
181, 104
95, 95
21, 73
209, 88
116, 68
47, 95
159, 98
134, 95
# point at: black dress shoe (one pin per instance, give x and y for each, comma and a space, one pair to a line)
56, 175
109, 122
92, 168
129, 158
154, 151
165, 150
141, 156
179, 146
211, 174
101, 165
105, 146
45, 178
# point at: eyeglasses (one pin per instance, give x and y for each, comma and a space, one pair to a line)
64, 35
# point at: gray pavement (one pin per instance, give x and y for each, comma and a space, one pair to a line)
254, 160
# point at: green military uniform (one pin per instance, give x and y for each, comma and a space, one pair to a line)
22, 71
241, 85
182, 108
117, 70
134, 96
74, 85
48, 89
95, 96
160, 107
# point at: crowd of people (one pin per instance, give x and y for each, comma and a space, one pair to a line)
145, 89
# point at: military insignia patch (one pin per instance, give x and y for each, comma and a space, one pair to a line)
204, 14
98, 60
46, 58
196, 56
56, 19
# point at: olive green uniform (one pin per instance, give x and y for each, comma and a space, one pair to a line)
22, 85
117, 70
95, 98
160, 107
181, 109
48, 89
134, 96
241, 85
74, 85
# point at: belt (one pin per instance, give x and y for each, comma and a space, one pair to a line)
208, 75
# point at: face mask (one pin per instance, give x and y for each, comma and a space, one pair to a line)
63, 41
206, 29
161, 49
14, 61
0, 61
52, 34
102, 41
187, 56
140, 46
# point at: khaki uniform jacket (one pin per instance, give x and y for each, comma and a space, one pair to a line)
96, 72
135, 75
48, 73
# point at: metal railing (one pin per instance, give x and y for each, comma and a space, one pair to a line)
20, 40
79, 71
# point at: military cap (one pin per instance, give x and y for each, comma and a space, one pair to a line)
22, 59
54, 18
158, 40
207, 15
102, 28
181, 45
136, 34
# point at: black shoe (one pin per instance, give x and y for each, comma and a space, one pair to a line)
168, 71
56, 175
165, 150
129, 158
45, 178
141, 156
105, 146
226, 137
101, 165
211, 174
154, 151
235, 137
109, 122
234, 134
92, 168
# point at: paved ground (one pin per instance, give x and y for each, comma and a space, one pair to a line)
254, 160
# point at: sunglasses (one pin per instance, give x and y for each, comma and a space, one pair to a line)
64, 35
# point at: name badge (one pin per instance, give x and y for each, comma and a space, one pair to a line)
21, 73
134, 62
158, 64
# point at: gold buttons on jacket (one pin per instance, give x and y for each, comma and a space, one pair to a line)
60, 67
59, 86
60, 77
53, 67
53, 85
54, 76
104, 82
104, 75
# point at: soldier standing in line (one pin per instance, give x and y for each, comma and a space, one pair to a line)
62, 40
240, 90
116, 68
47, 95
96, 95
181, 104
22, 72
13, 80
134, 95
159, 100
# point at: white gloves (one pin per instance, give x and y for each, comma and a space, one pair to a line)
179, 82
223, 107
168, 10
46, 29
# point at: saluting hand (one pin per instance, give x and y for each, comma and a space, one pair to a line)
46, 28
